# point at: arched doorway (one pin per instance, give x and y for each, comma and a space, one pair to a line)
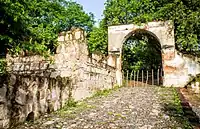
142, 58
164, 33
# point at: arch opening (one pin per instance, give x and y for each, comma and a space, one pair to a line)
141, 51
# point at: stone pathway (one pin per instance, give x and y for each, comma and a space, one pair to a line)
125, 108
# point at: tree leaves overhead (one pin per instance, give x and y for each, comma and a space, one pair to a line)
98, 44
184, 13
33, 25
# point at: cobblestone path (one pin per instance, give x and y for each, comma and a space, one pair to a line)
124, 108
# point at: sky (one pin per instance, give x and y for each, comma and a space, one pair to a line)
94, 6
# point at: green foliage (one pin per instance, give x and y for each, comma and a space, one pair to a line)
105, 92
184, 14
70, 111
71, 103
31, 27
3, 65
172, 106
141, 51
98, 41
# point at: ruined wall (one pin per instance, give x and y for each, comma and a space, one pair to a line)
179, 69
36, 85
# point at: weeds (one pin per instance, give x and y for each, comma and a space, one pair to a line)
73, 107
172, 106
105, 92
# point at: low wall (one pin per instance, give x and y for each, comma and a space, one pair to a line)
36, 85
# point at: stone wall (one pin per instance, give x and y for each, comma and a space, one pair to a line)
180, 69
36, 85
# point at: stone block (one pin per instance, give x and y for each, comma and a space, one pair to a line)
27, 67
61, 38
61, 49
12, 79
80, 93
29, 108
78, 35
64, 96
4, 124
43, 106
20, 97
57, 105
36, 109
68, 36
3, 112
34, 66
16, 67
55, 74
44, 65
3, 91
42, 94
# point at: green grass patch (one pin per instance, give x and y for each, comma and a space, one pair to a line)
105, 92
172, 106
73, 107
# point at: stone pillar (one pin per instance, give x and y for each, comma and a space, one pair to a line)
119, 70
112, 60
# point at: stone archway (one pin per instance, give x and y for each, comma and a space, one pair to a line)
163, 31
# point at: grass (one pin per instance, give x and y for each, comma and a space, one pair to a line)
172, 106
105, 92
73, 107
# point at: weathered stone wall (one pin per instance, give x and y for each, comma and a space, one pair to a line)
177, 71
26, 97
36, 85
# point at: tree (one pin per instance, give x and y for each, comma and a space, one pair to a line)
141, 51
185, 15
32, 26
98, 44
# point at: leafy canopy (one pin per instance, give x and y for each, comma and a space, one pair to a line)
32, 26
185, 15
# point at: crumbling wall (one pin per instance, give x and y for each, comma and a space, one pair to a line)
179, 70
35, 85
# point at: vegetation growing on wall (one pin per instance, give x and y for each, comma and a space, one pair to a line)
31, 27
2, 67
